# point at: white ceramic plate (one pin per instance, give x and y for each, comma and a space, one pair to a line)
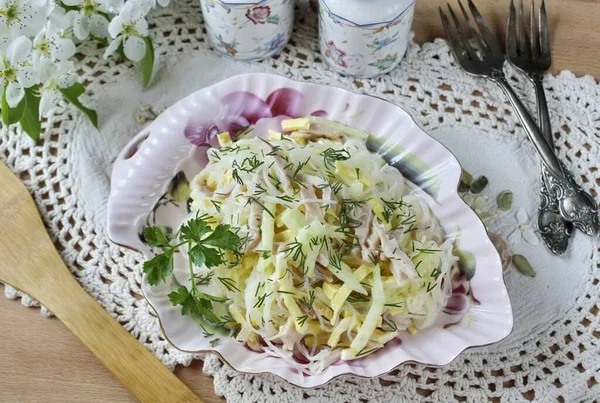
175, 144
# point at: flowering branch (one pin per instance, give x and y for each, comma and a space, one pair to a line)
37, 44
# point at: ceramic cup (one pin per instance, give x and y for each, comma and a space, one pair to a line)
364, 38
248, 29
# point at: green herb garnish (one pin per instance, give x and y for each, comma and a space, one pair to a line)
205, 247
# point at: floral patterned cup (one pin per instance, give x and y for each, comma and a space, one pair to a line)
248, 29
364, 38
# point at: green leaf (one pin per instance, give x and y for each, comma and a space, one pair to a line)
193, 305
156, 237
202, 255
147, 62
72, 95
223, 238
505, 200
194, 230
30, 121
179, 187
523, 265
159, 267
212, 297
479, 184
197, 256
273, 19
466, 262
12, 115
180, 296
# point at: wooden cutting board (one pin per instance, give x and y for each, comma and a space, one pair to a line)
40, 360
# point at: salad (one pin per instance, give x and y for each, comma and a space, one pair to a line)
306, 246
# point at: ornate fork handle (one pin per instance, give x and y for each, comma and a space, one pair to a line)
575, 205
554, 229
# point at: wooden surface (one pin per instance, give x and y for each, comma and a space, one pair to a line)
44, 276
574, 32
41, 361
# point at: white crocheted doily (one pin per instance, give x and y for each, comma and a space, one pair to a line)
553, 353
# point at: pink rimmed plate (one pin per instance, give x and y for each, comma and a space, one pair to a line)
149, 188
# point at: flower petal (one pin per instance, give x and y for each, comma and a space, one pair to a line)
45, 69
247, 105
14, 93
114, 27
59, 18
135, 48
531, 237
4, 37
112, 47
286, 101
522, 216
61, 48
26, 76
98, 26
18, 50
516, 237
81, 27
66, 79
141, 26
114, 6
49, 99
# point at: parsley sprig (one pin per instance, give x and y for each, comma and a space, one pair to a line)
205, 246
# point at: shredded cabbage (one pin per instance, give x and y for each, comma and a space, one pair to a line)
338, 254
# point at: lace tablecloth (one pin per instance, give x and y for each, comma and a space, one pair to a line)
553, 353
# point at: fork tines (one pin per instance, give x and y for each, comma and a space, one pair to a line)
479, 44
516, 34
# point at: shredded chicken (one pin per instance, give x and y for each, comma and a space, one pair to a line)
402, 266
288, 335
282, 175
254, 227
312, 208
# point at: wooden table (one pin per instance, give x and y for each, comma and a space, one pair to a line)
40, 361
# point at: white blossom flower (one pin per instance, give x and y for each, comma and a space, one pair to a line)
16, 73
523, 230
115, 6
58, 18
22, 17
61, 75
87, 19
129, 28
51, 44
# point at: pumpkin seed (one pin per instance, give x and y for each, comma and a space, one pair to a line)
523, 265
479, 184
505, 200
465, 181
179, 187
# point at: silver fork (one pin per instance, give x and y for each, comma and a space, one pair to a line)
534, 61
481, 55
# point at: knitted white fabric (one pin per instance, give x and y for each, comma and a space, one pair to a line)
553, 353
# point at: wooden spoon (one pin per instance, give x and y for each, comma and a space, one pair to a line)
30, 263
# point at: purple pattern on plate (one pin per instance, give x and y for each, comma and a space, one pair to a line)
242, 109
